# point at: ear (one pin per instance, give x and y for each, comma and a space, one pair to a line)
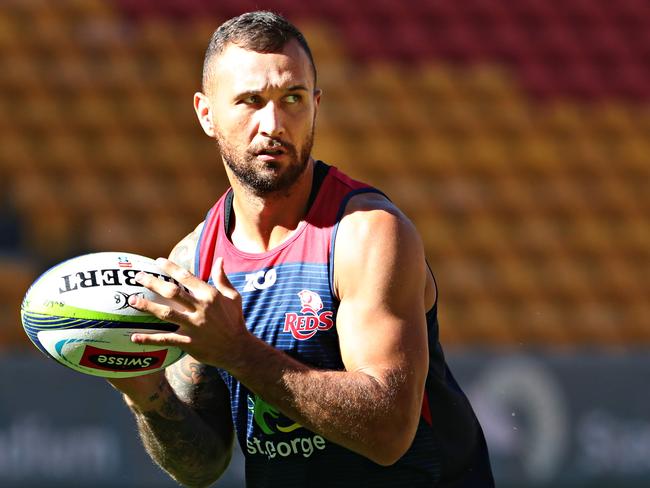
317, 95
203, 111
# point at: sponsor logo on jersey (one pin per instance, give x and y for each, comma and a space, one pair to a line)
271, 421
260, 409
260, 280
310, 319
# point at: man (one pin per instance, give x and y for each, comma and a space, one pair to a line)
307, 309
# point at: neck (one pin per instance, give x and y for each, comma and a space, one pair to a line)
263, 222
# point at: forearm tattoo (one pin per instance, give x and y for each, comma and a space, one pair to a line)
190, 434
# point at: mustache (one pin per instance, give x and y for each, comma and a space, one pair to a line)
272, 144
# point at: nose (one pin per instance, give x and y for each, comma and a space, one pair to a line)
270, 121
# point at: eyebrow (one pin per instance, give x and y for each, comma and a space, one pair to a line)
259, 92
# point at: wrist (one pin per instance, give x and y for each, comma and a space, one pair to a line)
259, 364
245, 359
143, 393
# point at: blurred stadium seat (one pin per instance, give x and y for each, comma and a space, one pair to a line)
516, 138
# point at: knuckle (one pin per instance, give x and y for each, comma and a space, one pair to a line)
142, 304
174, 291
183, 274
143, 278
167, 314
200, 319
212, 295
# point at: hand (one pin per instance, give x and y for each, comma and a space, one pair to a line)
210, 319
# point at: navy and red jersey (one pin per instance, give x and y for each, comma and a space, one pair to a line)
289, 302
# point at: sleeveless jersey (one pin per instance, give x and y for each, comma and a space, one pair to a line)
289, 302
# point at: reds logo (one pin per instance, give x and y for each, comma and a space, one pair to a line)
303, 326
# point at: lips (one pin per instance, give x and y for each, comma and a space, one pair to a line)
270, 152
270, 148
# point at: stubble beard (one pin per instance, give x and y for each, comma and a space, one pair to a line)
267, 179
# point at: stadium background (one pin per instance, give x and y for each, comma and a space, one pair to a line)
515, 134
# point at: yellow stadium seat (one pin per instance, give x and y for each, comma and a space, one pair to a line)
540, 322
611, 120
434, 83
17, 155
324, 42
89, 192
489, 84
632, 156
486, 323
16, 275
20, 75
9, 37
51, 230
113, 230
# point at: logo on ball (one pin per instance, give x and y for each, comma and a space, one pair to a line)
94, 357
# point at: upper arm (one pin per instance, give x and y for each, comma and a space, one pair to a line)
380, 277
183, 253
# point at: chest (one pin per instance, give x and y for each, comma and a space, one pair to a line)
291, 307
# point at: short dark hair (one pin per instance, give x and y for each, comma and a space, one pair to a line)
262, 31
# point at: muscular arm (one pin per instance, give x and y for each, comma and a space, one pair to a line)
185, 424
183, 416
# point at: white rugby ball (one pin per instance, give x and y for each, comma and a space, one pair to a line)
78, 314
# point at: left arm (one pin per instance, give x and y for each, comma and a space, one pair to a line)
373, 406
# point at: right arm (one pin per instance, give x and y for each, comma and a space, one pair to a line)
183, 414
184, 421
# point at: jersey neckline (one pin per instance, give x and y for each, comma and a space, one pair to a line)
300, 229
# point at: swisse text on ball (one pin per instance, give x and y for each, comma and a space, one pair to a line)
125, 362
94, 357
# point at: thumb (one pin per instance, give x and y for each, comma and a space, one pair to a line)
221, 281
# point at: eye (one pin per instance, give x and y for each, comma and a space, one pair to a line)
251, 100
291, 99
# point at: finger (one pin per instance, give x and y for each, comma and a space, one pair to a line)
177, 272
197, 286
161, 339
221, 281
167, 289
163, 312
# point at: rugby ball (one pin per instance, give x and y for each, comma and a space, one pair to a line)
78, 314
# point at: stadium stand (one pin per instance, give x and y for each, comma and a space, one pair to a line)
515, 135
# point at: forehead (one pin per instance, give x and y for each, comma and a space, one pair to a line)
238, 70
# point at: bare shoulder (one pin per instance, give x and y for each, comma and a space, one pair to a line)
378, 240
374, 236
371, 219
369, 201
183, 252
369, 209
